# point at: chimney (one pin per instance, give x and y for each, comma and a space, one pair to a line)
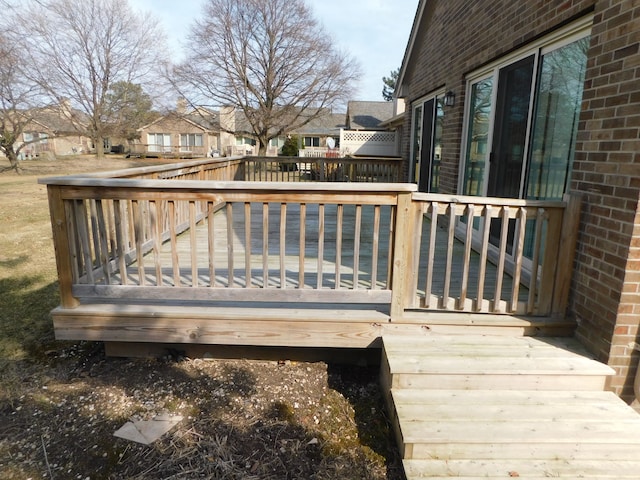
181, 106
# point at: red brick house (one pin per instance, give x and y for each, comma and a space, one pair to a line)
535, 99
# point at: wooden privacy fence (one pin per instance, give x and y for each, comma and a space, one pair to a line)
140, 237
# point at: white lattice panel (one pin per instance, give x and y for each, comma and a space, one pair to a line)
362, 137
366, 142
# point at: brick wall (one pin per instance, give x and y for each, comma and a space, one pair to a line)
606, 297
458, 37
462, 35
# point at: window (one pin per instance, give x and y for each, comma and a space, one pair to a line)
159, 142
428, 116
311, 141
245, 141
190, 142
521, 119
555, 121
477, 136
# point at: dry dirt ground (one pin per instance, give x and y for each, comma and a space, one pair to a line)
60, 403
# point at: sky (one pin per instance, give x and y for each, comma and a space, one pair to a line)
375, 32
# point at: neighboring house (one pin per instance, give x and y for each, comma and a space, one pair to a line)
53, 130
238, 137
368, 115
534, 100
314, 135
181, 134
369, 131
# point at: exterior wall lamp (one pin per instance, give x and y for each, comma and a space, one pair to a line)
449, 99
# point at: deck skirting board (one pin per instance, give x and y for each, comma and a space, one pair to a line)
263, 324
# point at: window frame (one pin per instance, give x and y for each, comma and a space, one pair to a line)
188, 146
314, 141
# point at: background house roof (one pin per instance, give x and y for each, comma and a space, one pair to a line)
327, 124
58, 120
207, 120
368, 115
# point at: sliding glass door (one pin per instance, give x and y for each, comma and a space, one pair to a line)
521, 125
522, 122
428, 117
553, 138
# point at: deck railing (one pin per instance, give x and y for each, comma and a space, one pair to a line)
134, 236
322, 169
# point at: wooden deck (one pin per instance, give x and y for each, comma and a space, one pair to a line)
265, 292
478, 406
199, 253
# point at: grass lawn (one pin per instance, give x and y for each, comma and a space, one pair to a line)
28, 277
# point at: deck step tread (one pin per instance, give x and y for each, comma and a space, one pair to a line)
427, 365
502, 406
488, 355
510, 397
471, 469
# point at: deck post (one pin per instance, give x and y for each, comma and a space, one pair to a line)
401, 277
60, 228
566, 254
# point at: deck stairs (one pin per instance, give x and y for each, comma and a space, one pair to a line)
482, 406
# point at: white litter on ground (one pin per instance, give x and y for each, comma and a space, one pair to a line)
147, 431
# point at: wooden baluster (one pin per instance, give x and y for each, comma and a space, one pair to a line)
248, 276
120, 242
415, 247
265, 245
356, 246
482, 269
156, 227
339, 231
95, 236
174, 243
211, 243
449, 262
283, 246
102, 253
518, 254
319, 280
375, 246
302, 245
230, 267
467, 258
138, 231
431, 255
85, 242
392, 222
193, 238
504, 230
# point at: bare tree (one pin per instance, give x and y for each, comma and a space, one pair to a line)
270, 59
18, 96
76, 50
